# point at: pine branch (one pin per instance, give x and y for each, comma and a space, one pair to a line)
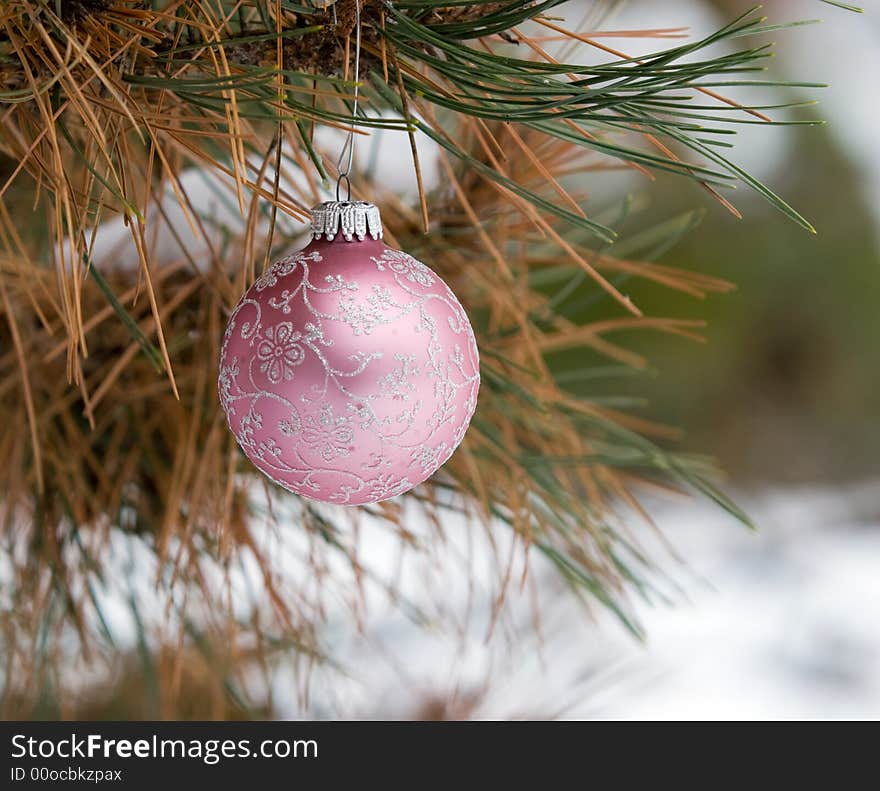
110, 107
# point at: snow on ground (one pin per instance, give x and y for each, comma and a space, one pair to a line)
783, 623
780, 623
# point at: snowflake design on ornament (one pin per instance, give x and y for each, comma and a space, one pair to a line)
280, 351
330, 436
396, 384
283, 268
404, 264
338, 283
282, 303
363, 316
225, 385
250, 423
384, 486
266, 281
269, 448
429, 458
290, 426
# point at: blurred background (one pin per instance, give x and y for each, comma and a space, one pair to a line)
786, 390
786, 396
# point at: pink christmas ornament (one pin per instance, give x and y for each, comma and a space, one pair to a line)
349, 372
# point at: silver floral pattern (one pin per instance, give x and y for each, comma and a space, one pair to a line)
349, 372
280, 351
404, 264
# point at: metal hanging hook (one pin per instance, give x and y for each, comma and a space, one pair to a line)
343, 177
346, 156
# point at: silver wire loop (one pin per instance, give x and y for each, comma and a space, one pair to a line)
343, 177
346, 155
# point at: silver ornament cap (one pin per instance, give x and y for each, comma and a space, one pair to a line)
349, 219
